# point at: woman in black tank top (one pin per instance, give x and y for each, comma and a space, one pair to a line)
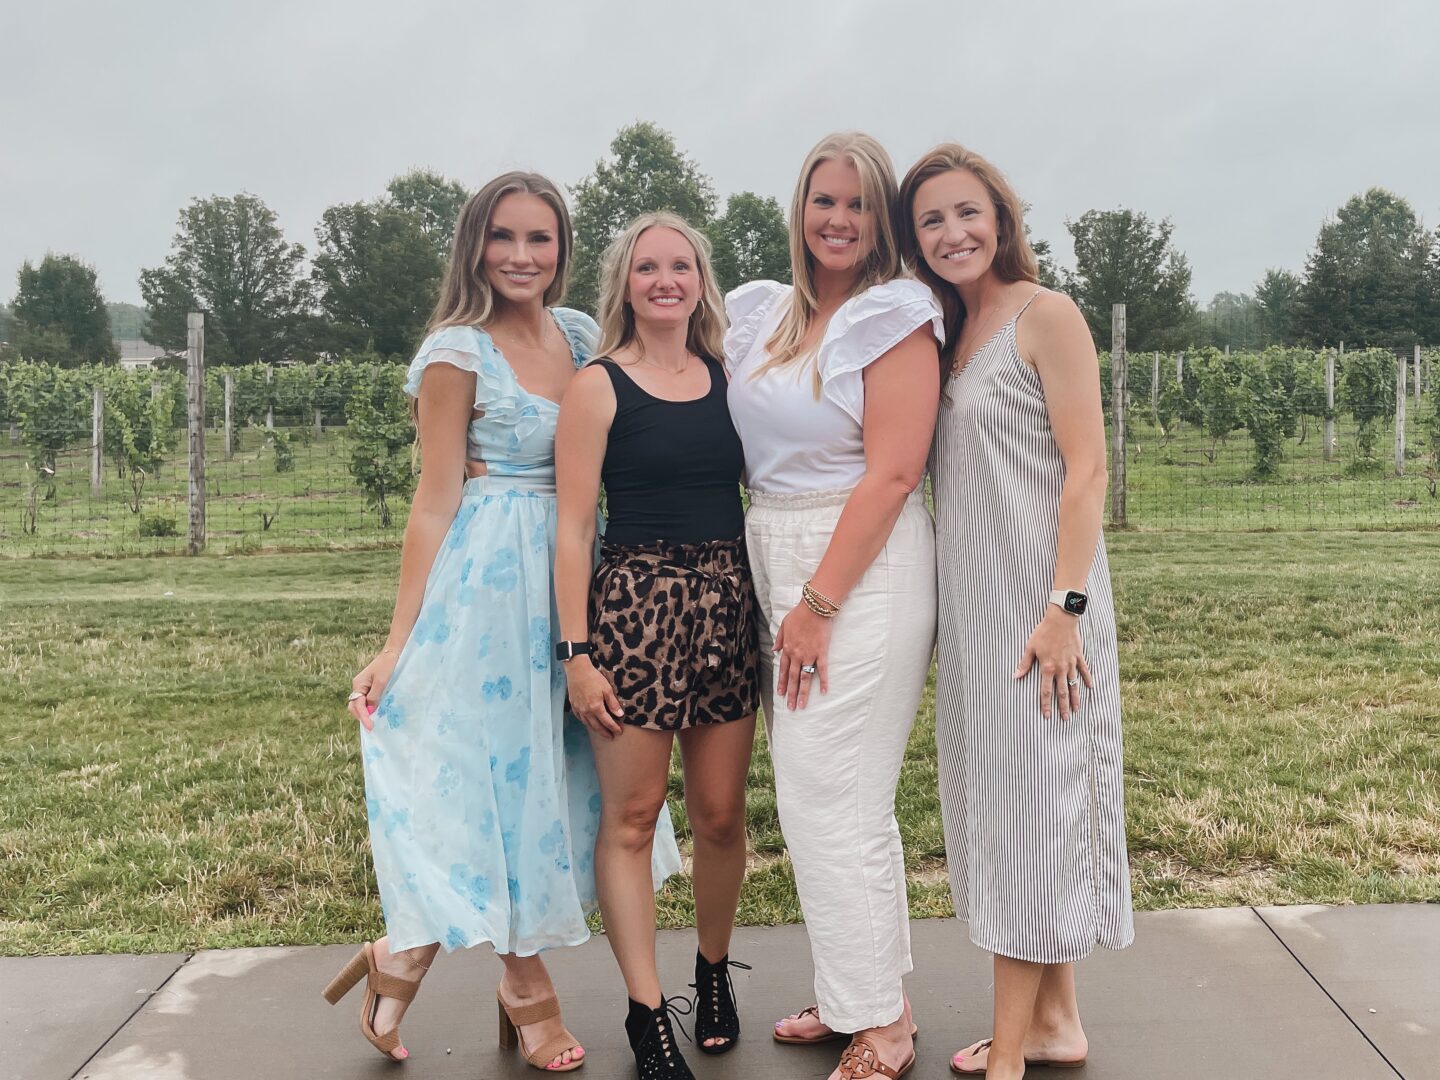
661, 638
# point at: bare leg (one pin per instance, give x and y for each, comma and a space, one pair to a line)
525, 982
633, 769
717, 760
1017, 982
1053, 1031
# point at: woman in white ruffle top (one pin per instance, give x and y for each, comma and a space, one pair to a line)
834, 389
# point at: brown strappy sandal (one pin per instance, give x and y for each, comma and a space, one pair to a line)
512, 1018
377, 985
984, 1044
814, 1010
861, 1059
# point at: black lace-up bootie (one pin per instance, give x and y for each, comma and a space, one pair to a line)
652, 1037
715, 1015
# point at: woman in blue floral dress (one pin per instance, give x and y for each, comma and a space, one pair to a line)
481, 792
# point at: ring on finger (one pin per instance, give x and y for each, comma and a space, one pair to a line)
808, 669
1072, 682
356, 696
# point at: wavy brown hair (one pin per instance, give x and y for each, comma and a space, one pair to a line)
466, 298
617, 318
1014, 260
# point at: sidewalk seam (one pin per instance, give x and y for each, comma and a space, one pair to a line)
136, 1012
1286, 946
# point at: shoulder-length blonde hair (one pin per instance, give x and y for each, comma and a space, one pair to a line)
617, 318
466, 298
1014, 258
882, 261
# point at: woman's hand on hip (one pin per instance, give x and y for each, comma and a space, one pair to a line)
367, 688
1054, 647
803, 642
592, 697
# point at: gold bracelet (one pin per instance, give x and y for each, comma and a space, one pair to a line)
818, 609
811, 593
391, 652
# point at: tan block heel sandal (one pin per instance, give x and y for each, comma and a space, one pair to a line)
377, 985
514, 1017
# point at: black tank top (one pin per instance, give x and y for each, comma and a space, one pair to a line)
672, 468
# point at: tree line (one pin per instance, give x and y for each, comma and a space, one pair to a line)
1372, 278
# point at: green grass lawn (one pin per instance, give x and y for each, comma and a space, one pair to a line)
181, 772
1173, 484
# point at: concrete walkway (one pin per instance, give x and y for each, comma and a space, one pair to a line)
1301, 993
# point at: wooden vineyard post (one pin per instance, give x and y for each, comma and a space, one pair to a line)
1400, 396
229, 415
195, 415
1117, 414
1329, 447
1155, 390
97, 441
1417, 379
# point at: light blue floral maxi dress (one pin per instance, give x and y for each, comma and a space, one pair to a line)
480, 788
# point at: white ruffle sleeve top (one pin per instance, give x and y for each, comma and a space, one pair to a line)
794, 443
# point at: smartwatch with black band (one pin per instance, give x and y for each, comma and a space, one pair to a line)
565, 651
1069, 601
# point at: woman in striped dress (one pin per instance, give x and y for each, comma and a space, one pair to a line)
1027, 698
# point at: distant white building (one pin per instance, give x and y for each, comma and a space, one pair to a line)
136, 354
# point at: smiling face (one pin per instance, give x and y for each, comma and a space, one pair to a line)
663, 285
956, 226
839, 228
522, 248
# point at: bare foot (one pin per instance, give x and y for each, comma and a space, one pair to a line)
804, 1025
409, 965
516, 993
1041, 1047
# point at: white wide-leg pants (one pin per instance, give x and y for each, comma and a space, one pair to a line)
838, 760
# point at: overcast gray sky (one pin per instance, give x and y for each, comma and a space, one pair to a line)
1244, 122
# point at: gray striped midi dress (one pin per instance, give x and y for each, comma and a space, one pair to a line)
1033, 809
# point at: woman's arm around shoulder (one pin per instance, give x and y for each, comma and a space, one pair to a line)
581, 435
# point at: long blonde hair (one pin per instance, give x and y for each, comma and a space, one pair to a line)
466, 298
617, 318
1014, 258
882, 262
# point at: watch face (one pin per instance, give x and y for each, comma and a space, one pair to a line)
1075, 603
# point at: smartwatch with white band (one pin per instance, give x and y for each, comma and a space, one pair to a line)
1069, 601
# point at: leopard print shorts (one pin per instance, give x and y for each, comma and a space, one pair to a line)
674, 626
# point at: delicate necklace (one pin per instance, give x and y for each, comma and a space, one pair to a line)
684, 367
516, 343
977, 341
